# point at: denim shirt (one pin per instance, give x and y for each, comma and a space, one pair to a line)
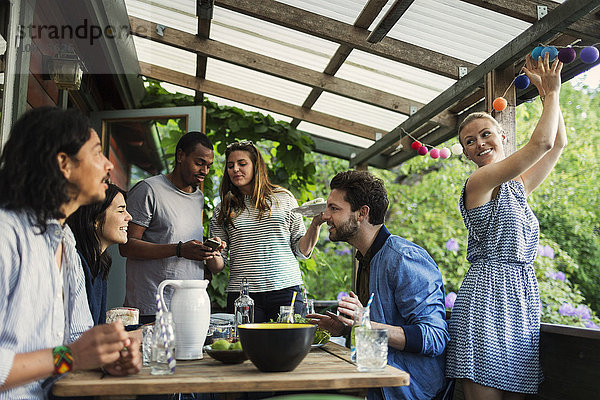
32, 310
409, 292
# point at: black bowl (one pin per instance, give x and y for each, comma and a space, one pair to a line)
276, 347
227, 356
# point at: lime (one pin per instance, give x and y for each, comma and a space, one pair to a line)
220, 344
236, 346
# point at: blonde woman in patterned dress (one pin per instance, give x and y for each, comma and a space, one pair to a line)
495, 323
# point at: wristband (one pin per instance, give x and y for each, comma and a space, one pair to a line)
63, 359
179, 249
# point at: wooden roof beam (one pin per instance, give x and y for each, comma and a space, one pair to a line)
281, 69
586, 28
368, 14
339, 32
393, 15
556, 20
253, 99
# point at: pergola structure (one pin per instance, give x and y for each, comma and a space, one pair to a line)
364, 78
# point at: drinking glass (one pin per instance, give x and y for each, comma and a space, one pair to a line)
371, 349
310, 306
284, 314
225, 331
147, 332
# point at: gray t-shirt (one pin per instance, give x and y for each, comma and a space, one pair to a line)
169, 216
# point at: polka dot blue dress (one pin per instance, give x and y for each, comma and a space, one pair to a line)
495, 323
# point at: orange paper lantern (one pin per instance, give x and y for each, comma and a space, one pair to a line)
499, 104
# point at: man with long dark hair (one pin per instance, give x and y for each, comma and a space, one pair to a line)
166, 232
52, 164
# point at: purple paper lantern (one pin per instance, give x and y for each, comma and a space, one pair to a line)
567, 55
589, 55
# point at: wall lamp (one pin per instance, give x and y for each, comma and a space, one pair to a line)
65, 69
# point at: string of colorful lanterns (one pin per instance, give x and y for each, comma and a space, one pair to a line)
567, 54
444, 152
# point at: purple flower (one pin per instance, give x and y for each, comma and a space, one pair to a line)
450, 299
341, 295
452, 245
583, 312
559, 275
326, 250
339, 252
546, 251
540, 249
566, 309
549, 252
590, 324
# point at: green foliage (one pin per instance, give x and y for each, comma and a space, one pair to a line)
423, 201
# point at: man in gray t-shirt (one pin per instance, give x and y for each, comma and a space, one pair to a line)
165, 234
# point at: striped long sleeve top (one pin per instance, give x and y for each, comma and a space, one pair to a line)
33, 314
264, 250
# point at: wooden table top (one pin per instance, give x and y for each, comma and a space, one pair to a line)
325, 368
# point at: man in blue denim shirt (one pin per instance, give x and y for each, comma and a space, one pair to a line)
409, 293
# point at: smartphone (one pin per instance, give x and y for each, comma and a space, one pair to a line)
212, 243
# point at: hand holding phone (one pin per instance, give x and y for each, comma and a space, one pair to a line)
212, 243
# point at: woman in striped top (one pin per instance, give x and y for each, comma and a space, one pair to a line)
264, 237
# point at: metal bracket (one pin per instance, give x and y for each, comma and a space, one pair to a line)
413, 109
205, 9
542, 11
378, 135
160, 29
462, 71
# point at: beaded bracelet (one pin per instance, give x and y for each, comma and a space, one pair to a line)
63, 359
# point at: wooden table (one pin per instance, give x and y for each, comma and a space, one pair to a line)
325, 368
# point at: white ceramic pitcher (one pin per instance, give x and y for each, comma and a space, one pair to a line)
190, 306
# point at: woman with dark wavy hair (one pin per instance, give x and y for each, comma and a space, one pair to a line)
264, 237
97, 226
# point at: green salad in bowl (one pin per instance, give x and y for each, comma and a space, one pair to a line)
322, 336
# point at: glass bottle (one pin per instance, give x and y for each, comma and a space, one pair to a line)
359, 319
244, 306
163, 339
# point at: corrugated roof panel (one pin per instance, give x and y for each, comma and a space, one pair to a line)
165, 56
271, 40
393, 77
455, 28
342, 10
356, 111
177, 89
226, 102
332, 134
255, 82
179, 14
